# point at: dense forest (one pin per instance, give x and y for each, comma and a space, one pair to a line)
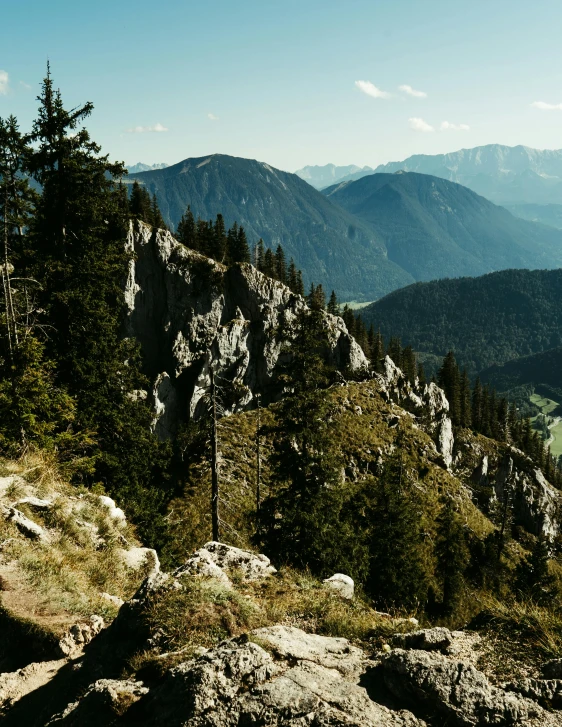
486, 321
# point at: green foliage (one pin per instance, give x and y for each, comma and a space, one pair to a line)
452, 556
398, 575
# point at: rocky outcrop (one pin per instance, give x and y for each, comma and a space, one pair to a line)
192, 314
454, 689
341, 584
102, 704
217, 560
277, 676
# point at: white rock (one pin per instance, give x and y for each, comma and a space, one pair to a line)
26, 526
215, 560
79, 635
137, 558
115, 600
35, 503
115, 513
341, 584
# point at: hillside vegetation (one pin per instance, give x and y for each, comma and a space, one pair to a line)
486, 321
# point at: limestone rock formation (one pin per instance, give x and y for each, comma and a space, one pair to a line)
341, 584
453, 688
192, 314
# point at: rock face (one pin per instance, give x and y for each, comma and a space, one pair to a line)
215, 560
289, 678
192, 314
455, 689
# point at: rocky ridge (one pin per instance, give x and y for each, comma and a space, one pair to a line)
280, 675
192, 314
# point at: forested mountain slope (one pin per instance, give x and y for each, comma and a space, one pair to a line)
328, 244
434, 228
538, 369
486, 320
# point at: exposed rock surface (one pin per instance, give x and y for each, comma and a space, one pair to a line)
215, 560
341, 584
436, 639
73, 642
191, 313
309, 682
26, 526
453, 688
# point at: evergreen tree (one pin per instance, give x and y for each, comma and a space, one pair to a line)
269, 264
156, 219
77, 238
409, 365
397, 575
395, 351
465, 401
280, 265
260, 256
452, 555
219, 247
292, 279
377, 353
533, 578
186, 231
140, 204
300, 284
349, 319
238, 250
301, 520
333, 306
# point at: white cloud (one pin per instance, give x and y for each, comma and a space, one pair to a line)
371, 90
25, 85
4, 83
212, 117
446, 126
418, 124
145, 129
412, 91
547, 106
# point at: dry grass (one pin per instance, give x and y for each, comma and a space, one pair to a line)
67, 574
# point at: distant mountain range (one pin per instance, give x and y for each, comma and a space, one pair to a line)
506, 175
548, 214
364, 238
328, 244
140, 167
324, 176
486, 321
433, 228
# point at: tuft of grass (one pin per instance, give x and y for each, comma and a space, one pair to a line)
524, 635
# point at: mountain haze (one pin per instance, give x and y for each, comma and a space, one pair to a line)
503, 174
434, 228
141, 167
323, 176
539, 370
328, 244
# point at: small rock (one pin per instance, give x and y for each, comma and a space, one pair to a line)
26, 526
103, 702
115, 513
341, 584
115, 600
436, 639
137, 558
35, 503
214, 560
79, 635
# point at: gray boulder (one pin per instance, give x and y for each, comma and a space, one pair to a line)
436, 639
341, 584
102, 704
216, 560
454, 689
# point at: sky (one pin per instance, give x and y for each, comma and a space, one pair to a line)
291, 82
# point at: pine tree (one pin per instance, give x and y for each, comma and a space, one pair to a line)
156, 219
397, 574
237, 245
280, 265
452, 555
269, 264
140, 204
292, 276
300, 284
465, 401
533, 578
477, 402
77, 238
218, 247
301, 520
333, 306
395, 351
349, 319
377, 353
409, 365
260, 256
186, 231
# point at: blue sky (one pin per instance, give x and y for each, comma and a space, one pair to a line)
277, 81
